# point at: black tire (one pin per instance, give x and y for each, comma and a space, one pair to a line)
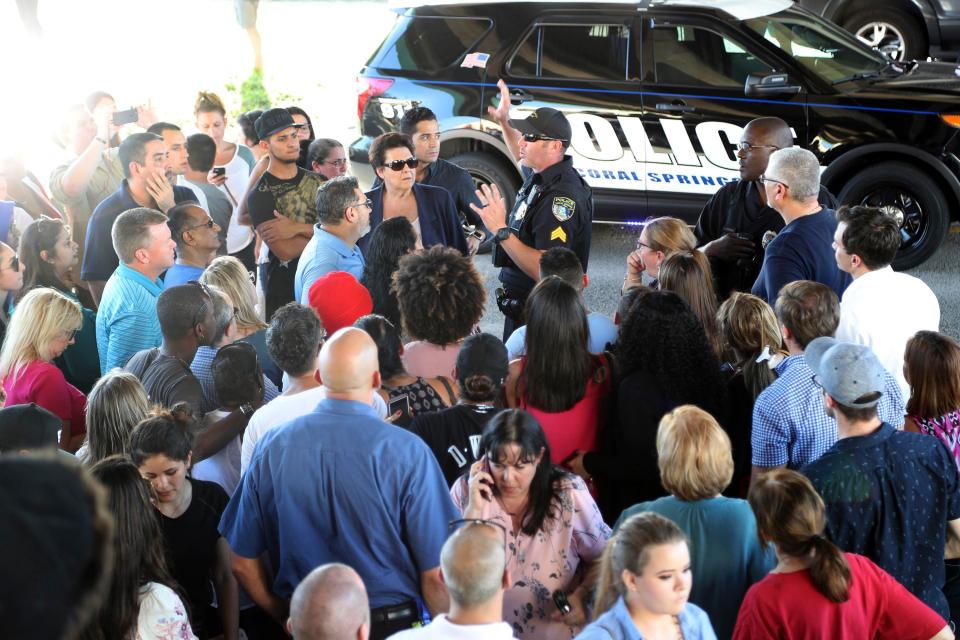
914, 34
913, 197
486, 168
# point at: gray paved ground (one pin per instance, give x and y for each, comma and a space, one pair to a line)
611, 244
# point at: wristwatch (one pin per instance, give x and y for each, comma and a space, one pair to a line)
502, 235
246, 409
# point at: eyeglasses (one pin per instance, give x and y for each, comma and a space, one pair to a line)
766, 179
456, 524
536, 137
743, 145
14, 264
364, 203
398, 165
208, 224
339, 162
644, 246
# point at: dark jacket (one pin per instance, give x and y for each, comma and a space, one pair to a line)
439, 222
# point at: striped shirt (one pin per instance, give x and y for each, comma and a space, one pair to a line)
127, 318
791, 426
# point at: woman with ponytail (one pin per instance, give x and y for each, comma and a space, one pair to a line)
644, 585
751, 347
816, 590
189, 514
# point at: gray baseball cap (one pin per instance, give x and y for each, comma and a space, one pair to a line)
846, 371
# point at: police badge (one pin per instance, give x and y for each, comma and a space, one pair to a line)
563, 208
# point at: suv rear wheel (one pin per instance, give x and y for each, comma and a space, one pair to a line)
912, 198
894, 32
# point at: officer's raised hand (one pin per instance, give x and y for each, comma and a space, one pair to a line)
730, 247
492, 209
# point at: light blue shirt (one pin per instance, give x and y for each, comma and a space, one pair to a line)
181, 274
600, 330
616, 624
324, 253
127, 318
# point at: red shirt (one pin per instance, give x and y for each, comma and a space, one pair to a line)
43, 383
787, 606
578, 426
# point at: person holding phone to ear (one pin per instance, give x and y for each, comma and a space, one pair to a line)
555, 534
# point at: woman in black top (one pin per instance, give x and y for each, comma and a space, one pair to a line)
189, 513
664, 360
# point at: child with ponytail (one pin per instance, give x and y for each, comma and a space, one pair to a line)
816, 590
644, 585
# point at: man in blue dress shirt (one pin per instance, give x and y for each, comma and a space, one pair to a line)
342, 485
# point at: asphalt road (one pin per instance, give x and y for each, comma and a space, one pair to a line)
612, 243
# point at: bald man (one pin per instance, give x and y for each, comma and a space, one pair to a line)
330, 603
341, 485
473, 566
733, 222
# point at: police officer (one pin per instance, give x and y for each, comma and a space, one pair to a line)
734, 221
554, 207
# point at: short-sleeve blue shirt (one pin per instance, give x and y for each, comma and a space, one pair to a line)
616, 624
889, 496
324, 253
342, 485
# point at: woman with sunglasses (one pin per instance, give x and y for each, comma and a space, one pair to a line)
11, 280
430, 210
555, 534
42, 328
48, 255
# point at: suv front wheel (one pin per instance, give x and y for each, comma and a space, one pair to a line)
915, 201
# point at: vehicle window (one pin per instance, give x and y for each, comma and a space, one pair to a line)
595, 51
695, 56
822, 48
430, 44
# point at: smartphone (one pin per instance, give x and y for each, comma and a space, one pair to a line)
560, 599
401, 404
486, 470
219, 171
121, 118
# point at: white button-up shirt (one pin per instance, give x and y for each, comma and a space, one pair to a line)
883, 309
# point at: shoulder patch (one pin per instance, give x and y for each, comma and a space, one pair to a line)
563, 208
559, 234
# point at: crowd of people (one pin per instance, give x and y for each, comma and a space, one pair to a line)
243, 397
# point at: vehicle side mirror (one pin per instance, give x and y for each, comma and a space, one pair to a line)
772, 84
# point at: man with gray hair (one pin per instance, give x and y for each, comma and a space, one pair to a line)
473, 567
344, 213
803, 250
330, 604
127, 318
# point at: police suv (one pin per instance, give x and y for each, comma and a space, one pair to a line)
658, 92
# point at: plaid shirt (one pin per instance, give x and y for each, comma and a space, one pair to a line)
202, 367
790, 425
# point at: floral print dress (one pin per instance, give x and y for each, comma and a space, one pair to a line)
553, 558
162, 615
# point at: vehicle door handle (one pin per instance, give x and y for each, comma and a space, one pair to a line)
676, 107
519, 96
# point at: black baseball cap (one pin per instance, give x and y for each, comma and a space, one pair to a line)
28, 426
271, 121
546, 122
482, 354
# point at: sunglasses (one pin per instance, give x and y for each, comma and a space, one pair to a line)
536, 137
202, 311
453, 525
14, 264
208, 224
398, 165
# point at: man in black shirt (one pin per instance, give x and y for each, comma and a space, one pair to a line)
734, 222
282, 206
454, 434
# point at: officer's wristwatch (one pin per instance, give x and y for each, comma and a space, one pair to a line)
502, 235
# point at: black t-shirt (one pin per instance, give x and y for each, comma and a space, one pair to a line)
191, 547
454, 436
554, 208
737, 206
166, 379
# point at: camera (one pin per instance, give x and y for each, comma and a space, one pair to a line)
510, 307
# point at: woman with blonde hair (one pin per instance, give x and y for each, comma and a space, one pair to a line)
816, 590
41, 329
644, 585
228, 274
693, 454
115, 405
687, 273
659, 238
751, 347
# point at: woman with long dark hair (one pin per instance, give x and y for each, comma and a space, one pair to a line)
816, 590
48, 255
664, 360
389, 242
554, 531
931, 366
559, 381
143, 600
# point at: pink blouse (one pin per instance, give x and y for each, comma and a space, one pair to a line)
550, 559
427, 360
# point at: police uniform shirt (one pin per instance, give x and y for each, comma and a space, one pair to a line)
737, 206
554, 208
